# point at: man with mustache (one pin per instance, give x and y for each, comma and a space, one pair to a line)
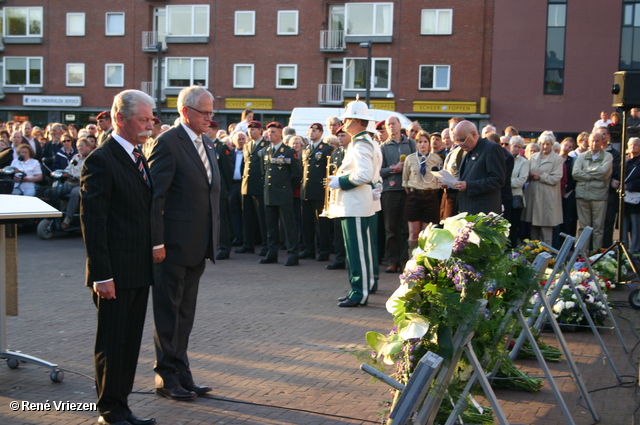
186, 194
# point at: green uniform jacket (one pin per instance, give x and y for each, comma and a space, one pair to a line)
314, 161
282, 175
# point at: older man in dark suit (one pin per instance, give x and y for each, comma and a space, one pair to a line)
115, 212
186, 208
482, 171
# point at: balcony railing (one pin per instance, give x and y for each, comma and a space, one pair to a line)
332, 41
149, 87
150, 41
330, 94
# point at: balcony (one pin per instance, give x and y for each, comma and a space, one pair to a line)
150, 41
332, 41
330, 94
149, 87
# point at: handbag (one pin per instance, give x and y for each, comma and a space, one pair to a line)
518, 202
632, 198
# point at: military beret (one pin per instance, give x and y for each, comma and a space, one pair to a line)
213, 124
255, 124
104, 114
156, 120
380, 125
340, 130
316, 126
275, 124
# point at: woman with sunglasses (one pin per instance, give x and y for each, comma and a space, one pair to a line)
63, 157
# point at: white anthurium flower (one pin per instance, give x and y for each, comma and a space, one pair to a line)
456, 223
400, 292
437, 243
416, 327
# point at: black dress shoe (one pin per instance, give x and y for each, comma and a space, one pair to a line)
102, 421
268, 260
134, 420
263, 252
392, 269
346, 297
197, 389
323, 258
222, 256
350, 303
335, 266
245, 250
306, 255
236, 242
292, 262
177, 393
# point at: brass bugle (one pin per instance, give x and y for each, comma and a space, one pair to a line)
329, 196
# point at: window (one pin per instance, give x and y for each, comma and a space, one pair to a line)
115, 23
75, 75
287, 76
243, 76
114, 75
436, 21
554, 61
185, 72
630, 39
188, 20
434, 77
355, 71
75, 24
23, 21
287, 22
245, 22
369, 19
23, 71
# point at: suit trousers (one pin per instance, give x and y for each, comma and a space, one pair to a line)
362, 255
235, 208
253, 210
631, 225
395, 226
311, 221
610, 220
592, 213
175, 293
225, 236
118, 337
275, 214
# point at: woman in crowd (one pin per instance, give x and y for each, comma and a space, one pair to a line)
583, 144
297, 144
72, 186
543, 203
631, 210
63, 157
30, 167
519, 177
421, 206
246, 118
6, 137
531, 149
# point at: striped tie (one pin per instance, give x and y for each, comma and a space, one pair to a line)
203, 157
140, 166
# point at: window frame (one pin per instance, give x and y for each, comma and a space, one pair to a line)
106, 74
295, 75
448, 67
437, 21
547, 65
67, 83
345, 73
106, 24
374, 20
253, 23
297, 29
28, 34
27, 58
235, 75
84, 23
191, 76
193, 17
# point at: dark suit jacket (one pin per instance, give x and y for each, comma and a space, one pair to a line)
283, 172
115, 211
314, 161
483, 169
186, 206
253, 175
38, 147
226, 160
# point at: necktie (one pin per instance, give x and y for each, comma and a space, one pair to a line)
140, 166
203, 157
423, 164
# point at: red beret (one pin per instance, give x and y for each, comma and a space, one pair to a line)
255, 124
275, 124
213, 124
156, 120
316, 126
340, 129
380, 125
104, 114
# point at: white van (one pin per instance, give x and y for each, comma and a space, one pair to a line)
302, 118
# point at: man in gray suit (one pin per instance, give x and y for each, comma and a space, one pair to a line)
186, 209
482, 171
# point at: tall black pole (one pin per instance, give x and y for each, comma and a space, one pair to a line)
621, 190
159, 78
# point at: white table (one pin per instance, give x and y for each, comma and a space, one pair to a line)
12, 209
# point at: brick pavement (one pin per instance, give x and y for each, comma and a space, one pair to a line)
269, 339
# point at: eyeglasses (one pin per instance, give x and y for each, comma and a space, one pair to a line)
67, 140
204, 113
505, 144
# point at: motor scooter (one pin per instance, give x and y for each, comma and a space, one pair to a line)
57, 198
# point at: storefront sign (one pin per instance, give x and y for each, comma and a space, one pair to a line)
65, 101
244, 103
445, 107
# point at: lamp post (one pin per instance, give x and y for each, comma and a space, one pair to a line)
367, 46
159, 78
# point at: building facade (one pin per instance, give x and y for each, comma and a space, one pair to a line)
64, 60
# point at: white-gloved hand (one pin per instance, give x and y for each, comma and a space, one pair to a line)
377, 191
334, 183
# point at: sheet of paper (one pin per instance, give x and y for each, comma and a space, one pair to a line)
445, 177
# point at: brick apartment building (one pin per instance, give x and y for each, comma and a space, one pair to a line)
64, 60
